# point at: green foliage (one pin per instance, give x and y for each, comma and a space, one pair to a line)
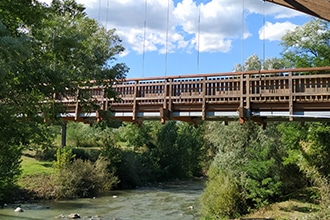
9, 170
76, 49
262, 182
46, 51
80, 135
63, 158
307, 144
308, 45
132, 171
86, 154
16, 14
155, 152
177, 151
249, 157
222, 198
309, 150
135, 136
83, 179
190, 141
253, 62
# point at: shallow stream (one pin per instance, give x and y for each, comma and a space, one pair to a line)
178, 200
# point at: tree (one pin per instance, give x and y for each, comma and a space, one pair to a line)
17, 128
46, 51
249, 156
253, 62
248, 162
73, 51
308, 45
190, 141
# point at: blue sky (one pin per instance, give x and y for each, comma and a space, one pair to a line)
179, 37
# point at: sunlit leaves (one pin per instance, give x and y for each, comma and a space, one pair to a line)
308, 45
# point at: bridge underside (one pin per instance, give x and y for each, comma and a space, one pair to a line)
260, 112
316, 8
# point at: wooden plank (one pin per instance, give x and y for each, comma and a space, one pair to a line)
316, 8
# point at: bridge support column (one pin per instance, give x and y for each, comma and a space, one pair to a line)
242, 114
164, 115
64, 126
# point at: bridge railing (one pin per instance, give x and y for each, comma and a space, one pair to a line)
228, 87
280, 90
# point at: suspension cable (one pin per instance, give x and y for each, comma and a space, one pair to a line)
264, 37
144, 34
167, 27
243, 29
99, 15
107, 16
198, 36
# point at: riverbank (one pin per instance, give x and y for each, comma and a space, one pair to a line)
36, 185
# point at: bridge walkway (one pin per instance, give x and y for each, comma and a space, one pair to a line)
269, 95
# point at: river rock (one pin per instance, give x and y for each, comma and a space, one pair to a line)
18, 209
96, 217
74, 216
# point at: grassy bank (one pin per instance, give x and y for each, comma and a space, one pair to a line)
287, 210
31, 166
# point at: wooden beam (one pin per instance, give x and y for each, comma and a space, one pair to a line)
316, 8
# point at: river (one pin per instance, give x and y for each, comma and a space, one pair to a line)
177, 200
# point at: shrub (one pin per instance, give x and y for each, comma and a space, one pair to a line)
86, 154
9, 170
46, 154
78, 178
221, 197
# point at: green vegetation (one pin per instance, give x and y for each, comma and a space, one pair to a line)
253, 168
43, 50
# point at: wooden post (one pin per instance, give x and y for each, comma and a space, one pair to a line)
164, 116
247, 88
290, 97
204, 99
170, 93
77, 112
64, 125
134, 103
241, 109
165, 94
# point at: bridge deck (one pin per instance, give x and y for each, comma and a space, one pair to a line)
296, 94
316, 8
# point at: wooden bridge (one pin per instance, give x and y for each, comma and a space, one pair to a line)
269, 95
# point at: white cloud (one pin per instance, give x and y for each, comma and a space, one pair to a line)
216, 23
275, 31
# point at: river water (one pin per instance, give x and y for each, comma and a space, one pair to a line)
178, 200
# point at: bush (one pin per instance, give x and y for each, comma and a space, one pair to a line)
9, 171
132, 170
221, 197
78, 178
46, 154
86, 154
